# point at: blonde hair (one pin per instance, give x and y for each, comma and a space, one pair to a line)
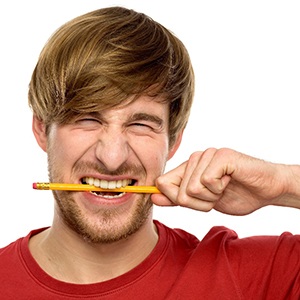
100, 59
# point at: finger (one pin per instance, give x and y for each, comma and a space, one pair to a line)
169, 183
192, 192
192, 184
161, 200
218, 171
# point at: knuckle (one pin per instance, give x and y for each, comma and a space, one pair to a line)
206, 179
194, 190
207, 206
195, 156
161, 180
223, 152
210, 150
183, 201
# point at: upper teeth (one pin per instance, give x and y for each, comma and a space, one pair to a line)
105, 184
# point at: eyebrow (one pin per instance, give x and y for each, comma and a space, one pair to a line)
146, 117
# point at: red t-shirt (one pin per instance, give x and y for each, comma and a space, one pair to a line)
221, 266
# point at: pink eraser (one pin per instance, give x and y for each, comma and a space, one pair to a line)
34, 186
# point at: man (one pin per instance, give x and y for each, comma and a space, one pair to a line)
111, 95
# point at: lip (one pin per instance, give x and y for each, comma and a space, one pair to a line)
96, 200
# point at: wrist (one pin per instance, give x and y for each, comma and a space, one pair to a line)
291, 186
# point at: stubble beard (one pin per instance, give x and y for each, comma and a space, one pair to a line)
105, 228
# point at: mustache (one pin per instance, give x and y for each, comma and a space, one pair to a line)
124, 169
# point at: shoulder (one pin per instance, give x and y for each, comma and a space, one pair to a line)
10, 248
253, 250
17, 246
176, 235
179, 239
224, 243
244, 265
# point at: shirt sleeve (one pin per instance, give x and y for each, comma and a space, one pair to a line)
267, 267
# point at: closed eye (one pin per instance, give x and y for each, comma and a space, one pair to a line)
141, 124
141, 128
146, 122
145, 128
88, 122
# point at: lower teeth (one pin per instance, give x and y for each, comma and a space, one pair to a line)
108, 196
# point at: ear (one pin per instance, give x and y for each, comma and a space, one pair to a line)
39, 131
176, 145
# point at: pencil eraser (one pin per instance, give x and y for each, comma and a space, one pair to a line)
34, 186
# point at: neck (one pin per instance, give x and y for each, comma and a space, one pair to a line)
78, 261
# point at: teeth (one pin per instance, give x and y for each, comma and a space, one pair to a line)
112, 184
104, 184
119, 183
110, 197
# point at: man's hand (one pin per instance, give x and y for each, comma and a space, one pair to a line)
230, 182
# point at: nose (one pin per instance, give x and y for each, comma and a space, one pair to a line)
112, 148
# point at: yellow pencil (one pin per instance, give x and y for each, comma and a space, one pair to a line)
89, 188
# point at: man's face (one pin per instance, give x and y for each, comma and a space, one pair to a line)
127, 145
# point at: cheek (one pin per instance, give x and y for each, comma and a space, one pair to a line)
61, 151
67, 148
153, 155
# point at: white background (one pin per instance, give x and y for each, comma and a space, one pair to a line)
247, 64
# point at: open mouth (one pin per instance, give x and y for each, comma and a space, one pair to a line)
107, 184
